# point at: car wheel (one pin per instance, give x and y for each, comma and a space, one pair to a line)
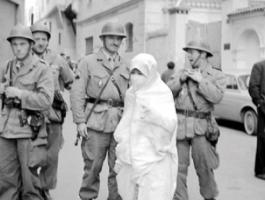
250, 122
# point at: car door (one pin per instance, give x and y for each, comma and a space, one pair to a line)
227, 108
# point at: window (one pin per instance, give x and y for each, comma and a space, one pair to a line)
32, 19
89, 45
59, 38
231, 82
129, 39
227, 46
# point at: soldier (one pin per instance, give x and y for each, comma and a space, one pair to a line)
103, 81
27, 90
63, 78
196, 90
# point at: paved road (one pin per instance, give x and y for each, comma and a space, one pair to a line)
234, 176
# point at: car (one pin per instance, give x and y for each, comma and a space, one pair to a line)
236, 104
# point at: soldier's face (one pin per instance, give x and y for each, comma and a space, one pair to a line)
41, 42
112, 43
193, 56
21, 48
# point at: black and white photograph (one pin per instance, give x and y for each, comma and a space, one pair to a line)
132, 99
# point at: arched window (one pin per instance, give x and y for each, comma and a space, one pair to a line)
129, 39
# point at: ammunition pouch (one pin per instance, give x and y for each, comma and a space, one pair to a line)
35, 119
59, 104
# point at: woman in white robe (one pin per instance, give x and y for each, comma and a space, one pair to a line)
146, 136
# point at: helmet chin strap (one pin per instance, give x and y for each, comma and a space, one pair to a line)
196, 61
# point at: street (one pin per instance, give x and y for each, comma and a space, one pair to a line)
234, 177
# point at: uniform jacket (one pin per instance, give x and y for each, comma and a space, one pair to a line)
257, 93
257, 83
35, 79
94, 70
62, 77
205, 94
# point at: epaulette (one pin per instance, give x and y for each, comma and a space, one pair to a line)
42, 61
217, 68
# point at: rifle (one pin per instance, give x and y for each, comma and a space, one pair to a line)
93, 107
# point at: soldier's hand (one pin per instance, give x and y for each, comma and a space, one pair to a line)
195, 75
3, 87
183, 76
12, 92
82, 130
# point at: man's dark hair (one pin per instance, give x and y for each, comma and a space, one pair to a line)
170, 65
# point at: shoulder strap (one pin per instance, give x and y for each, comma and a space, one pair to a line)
117, 87
97, 99
114, 82
191, 98
9, 69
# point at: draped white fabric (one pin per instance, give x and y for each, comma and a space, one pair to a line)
146, 137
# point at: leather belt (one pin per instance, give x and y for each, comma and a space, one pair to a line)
110, 102
193, 113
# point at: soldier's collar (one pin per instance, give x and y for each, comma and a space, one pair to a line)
27, 61
110, 57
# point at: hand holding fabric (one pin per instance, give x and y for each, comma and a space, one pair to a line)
12, 92
183, 76
195, 76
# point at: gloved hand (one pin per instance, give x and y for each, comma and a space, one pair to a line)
82, 130
12, 92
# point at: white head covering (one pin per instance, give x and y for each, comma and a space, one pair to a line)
147, 130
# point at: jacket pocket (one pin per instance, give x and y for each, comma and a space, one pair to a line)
37, 155
28, 84
55, 115
96, 84
98, 119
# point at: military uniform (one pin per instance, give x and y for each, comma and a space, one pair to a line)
95, 70
192, 129
18, 171
63, 78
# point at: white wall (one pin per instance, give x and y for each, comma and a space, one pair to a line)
234, 58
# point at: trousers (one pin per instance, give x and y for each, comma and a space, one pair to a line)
48, 174
205, 160
18, 180
94, 150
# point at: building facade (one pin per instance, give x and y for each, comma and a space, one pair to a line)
243, 31
159, 27
11, 13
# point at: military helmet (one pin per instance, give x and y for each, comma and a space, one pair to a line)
112, 28
20, 31
199, 45
41, 27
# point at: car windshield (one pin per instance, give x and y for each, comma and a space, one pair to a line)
243, 81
